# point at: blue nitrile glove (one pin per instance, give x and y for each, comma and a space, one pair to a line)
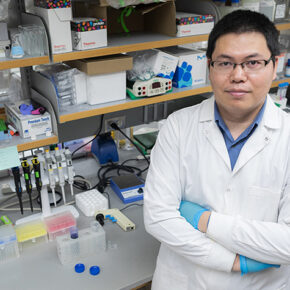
248, 265
191, 212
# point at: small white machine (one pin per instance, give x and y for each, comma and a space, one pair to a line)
153, 87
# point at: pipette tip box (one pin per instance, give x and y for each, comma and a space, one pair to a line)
8, 243
59, 224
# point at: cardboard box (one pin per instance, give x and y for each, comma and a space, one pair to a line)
193, 24
28, 126
105, 77
191, 68
58, 24
156, 17
103, 64
88, 33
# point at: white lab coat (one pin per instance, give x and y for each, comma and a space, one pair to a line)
250, 205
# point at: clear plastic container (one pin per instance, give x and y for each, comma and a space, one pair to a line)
267, 7
90, 241
280, 10
8, 243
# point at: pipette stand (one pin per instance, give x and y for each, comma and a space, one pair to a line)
47, 210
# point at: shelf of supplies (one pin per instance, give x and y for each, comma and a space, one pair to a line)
121, 43
23, 62
283, 26
277, 82
85, 111
27, 144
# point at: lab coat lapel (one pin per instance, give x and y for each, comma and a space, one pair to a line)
216, 139
262, 135
212, 132
260, 138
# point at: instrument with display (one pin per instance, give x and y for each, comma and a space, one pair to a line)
153, 87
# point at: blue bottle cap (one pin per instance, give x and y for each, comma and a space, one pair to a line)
288, 62
80, 268
95, 270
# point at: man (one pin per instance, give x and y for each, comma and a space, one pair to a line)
217, 193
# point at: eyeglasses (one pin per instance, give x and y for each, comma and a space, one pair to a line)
248, 66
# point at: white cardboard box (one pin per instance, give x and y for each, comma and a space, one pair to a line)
191, 68
58, 24
28, 126
106, 87
82, 40
193, 26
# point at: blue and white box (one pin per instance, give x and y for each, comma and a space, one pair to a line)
28, 126
191, 67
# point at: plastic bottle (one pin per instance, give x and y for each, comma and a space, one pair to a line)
235, 3
280, 11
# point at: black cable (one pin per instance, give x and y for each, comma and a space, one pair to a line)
133, 204
109, 201
51, 203
98, 133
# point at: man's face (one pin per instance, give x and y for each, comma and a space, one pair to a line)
240, 94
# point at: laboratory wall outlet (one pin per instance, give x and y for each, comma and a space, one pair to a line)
120, 121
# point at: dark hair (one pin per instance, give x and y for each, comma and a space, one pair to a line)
241, 21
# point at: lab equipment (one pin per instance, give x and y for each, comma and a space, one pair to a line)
91, 201
70, 170
105, 149
30, 233
27, 178
4, 39
80, 268
282, 90
287, 69
153, 87
49, 166
90, 241
59, 224
61, 177
8, 243
128, 187
280, 11
94, 270
115, 215
37, 176
248, 265
191, 212
18, 188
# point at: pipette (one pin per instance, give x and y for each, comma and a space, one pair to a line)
70, 171
60, 173
49, 164
37, 175
18, 188
27, 178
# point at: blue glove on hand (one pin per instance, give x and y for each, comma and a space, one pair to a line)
248, 265
191, 212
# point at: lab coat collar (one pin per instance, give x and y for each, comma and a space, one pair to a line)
270, 119
256, 142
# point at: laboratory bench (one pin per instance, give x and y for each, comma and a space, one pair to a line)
128, 262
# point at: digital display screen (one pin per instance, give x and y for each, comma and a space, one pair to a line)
156, 85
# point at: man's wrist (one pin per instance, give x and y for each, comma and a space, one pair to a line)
203, 221
236, 265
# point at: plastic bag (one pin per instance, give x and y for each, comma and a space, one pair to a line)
123, 3
4, 10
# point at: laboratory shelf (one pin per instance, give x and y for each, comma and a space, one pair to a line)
135, 42
85, 110
27, 144
283, 26
23, 62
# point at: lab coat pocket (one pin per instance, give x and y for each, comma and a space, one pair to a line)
261, 204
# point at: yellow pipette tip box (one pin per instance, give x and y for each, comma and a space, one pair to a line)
32, 231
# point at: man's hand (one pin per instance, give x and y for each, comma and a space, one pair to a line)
248, 265
196, 215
